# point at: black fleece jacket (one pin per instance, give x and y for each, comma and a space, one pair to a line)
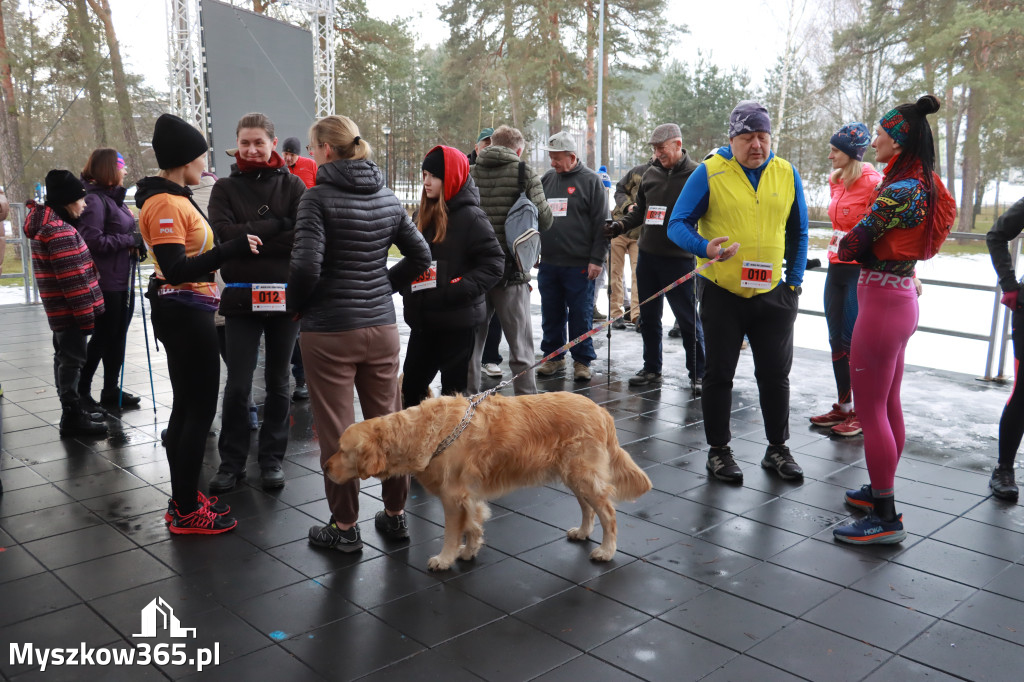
659, 187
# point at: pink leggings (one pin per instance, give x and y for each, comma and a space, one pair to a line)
887, 319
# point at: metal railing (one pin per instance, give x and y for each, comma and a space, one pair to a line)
19, 241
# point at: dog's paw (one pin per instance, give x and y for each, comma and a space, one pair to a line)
601, 554
577, 534
467, 552
436, 563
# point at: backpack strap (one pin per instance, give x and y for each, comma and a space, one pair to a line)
522, 176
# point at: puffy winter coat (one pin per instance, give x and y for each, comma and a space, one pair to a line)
338, 278
496, 174
469, 263
108, 228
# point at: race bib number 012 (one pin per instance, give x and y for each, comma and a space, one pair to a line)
268, 298
756, 275
655, 215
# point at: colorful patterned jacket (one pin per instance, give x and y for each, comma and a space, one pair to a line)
64, 270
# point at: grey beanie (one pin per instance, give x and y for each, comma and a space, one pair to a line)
749, 117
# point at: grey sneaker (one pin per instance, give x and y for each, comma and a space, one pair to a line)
777, 457
645, 378
722, 465
393, 527
332, 537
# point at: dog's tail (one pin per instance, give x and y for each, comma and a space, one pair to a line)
629, 480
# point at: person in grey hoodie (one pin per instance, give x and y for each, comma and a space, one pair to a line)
572, 253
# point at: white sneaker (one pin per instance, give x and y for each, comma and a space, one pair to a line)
491, 369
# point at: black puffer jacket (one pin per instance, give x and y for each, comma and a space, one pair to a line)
339, 279
470, 253
234, 212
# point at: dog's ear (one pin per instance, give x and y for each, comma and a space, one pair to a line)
372, 455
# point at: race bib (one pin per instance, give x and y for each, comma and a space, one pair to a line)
756, 275
559, 207
833, 245
655, 215
428, 280
268, 298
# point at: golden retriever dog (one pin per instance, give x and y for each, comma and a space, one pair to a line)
510, 443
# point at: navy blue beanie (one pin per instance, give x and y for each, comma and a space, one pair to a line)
852, 139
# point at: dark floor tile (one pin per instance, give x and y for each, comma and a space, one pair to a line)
585, 667
992, 614
13, 442
68, 628
943, 476
48, 594
85, 464
914, 589
315, 561
49, 452
301, 489
368, 645
727, 620
129, 504
685, 516
780, 588
123, 609
222, 629
646, 587
77, 546
371, 583
32, 499
582, 618
247, 502
276, 527
834, 562
981, 537
188, 554
870, 620
437, 614
745, 669
639, 537
418, 555
954, 563
271, 660
940, 499
514, 533
294, 610
16, 563
733, 499
899, 668
262, 573
673, 480
113, 573
423, 665
999, 513
494, 584
922, 521
966, 653
818, 654
1009, 583
702, 561
659, 651
157, 471
750, 537
572, 561
821, 495
22, 477
486, 651
49, 521
794, 516
683, 443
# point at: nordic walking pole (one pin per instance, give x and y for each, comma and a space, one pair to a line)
127, 322
609, 277
145, 332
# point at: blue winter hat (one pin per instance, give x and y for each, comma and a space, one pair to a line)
852, 139
749, 117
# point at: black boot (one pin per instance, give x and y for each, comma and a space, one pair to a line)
75, 421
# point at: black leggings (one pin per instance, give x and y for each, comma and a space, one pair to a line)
107, 342
1011, 425
430, 351
190, 341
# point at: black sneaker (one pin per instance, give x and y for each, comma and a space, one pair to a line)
332, 537
722, 465
203, 521
272, 478
1003, 484
110, 398
778, 458
393, 527
95, 410
301, 392
216, 506
224, 481
645, 378
75, 421
674, 332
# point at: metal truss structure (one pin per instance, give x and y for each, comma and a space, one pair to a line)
188, 59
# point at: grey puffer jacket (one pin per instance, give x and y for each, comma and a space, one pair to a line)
338, 278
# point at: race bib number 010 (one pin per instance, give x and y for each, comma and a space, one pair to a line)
268, 298
656, 215
756, 275
559, 207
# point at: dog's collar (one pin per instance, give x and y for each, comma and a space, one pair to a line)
466, 418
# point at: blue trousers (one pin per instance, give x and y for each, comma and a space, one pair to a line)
566, 296
653, 273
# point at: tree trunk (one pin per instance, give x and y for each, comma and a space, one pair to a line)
91, 61
951, 128
10, 145
506, 57
132, 152
554, 79
591, 74
971, 160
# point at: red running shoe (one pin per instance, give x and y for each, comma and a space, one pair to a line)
830, 418
849, 427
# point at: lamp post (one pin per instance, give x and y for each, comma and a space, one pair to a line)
387, 155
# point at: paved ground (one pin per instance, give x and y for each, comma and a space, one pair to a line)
711, 582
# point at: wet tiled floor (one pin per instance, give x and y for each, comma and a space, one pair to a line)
711, 582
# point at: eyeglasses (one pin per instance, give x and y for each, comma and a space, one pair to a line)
311, 147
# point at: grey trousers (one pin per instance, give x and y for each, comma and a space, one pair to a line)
512, 306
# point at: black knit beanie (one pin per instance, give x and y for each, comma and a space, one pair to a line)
176, 143
433, 163
292, 146
63, 188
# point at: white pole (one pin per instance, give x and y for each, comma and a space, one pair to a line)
600, 88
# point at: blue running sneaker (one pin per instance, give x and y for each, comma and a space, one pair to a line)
872, 530
861, 499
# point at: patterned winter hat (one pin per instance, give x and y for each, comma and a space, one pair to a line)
852, 139
896, 125
749, 117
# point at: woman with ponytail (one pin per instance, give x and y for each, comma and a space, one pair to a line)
446, 303
909, 218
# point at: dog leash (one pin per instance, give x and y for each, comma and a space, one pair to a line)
478, 398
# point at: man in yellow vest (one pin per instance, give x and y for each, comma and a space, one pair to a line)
746, 195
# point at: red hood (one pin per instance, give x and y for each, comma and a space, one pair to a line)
245, 166
456, 170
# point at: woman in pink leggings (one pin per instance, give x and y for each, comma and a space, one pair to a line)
908, 220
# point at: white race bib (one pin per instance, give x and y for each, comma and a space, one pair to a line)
559, 207
833, 244
655, 215
268, 298
428, 280
755, 275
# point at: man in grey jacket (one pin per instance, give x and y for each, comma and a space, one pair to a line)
572, 253
496, 173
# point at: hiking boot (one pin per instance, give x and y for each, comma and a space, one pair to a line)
777, 457
674, 332
619, 324
75, 421
722, 465
203, 521
1003, 484
831, 418
271, 478
581, 372
301, 392
849, 427
861, 499
393, 527
598, 315
94, 409
645, 378
551, 366
871, 530
491, 369
224, 481
128, 401
332, 537
216, 506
